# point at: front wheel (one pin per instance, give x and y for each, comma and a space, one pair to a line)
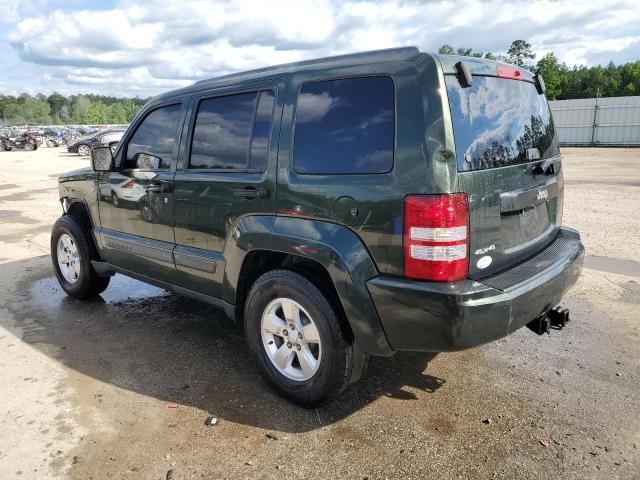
301, 348
71, 253
29, 147
84, 150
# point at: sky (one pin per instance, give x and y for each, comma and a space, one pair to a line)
144, 47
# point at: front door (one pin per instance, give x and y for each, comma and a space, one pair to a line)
136, 202
228, 171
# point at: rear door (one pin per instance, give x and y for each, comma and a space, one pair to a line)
227, 172
509, 166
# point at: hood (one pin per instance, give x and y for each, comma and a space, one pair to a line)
84, 173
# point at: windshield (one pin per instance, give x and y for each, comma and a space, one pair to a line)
499, 122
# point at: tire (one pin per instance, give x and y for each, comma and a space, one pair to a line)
84, 150
85, 282
339, 362
51, 144
115, 201
29, 147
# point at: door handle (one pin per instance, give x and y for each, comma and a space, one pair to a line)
249, 193
158, 187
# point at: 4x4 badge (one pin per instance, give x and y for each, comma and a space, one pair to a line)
482, 251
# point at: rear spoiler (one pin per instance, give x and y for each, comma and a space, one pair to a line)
465, 67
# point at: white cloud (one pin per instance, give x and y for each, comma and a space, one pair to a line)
147, 46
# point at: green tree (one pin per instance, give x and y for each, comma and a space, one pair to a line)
80, 105
553, 74
98, 114
520, 53
59, 108
36, 110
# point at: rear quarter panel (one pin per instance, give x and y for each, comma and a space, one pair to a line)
420, 142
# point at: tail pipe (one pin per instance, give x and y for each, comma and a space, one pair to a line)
556, 319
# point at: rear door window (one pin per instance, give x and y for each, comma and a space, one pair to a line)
345, 126
232, 132
499, 122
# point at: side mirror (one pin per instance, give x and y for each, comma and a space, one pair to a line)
144, 161
102, 159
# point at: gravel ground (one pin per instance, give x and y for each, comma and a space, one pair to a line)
88, 386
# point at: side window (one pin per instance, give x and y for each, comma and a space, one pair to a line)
345, 126
232, 132
154, 138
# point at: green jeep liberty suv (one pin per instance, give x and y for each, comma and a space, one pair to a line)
336, 208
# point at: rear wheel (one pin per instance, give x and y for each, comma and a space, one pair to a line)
300, 346
84, 150
51, 144
71, 252
29, 146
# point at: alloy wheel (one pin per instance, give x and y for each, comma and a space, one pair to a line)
291, 339
68, 258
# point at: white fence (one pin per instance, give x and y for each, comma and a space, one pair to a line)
598, 121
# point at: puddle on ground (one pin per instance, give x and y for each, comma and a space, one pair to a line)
48, 296
620, 266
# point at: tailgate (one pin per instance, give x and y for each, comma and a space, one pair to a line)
509, 166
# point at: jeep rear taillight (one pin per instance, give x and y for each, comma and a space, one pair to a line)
436, 237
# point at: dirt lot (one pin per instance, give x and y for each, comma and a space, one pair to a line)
86, 387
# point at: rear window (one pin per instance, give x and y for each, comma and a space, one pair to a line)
499, 122
345, 126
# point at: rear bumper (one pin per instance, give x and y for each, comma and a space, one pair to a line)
429, 316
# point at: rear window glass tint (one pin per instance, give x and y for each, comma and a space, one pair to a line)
261, 131
345, 126
223, 132
499, 122
232, 132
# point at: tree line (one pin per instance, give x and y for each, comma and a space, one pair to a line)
564, 82
56, 109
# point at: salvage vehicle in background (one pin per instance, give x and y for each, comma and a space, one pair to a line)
101, 138
337, 208
23, 141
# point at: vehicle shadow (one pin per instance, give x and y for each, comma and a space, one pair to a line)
143, 339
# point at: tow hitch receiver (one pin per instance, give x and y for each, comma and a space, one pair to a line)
556, 318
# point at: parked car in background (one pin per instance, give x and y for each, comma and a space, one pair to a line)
337, 208
101, 138
23, 141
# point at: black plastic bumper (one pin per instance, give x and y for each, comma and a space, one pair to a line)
428, 316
